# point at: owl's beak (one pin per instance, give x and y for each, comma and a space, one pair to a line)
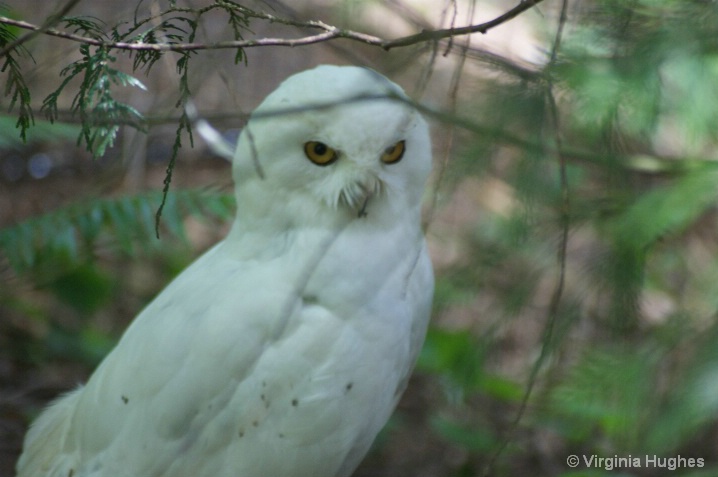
356, 194
362, 210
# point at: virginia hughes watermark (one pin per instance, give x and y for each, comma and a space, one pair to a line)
626, 462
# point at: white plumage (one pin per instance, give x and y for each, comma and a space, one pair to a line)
282, 351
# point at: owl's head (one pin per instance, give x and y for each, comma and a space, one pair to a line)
332, 144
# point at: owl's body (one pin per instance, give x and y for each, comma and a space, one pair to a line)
283, 350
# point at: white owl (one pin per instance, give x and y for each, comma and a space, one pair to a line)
282, 351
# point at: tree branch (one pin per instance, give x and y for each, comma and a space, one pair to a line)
429, 35
330, 32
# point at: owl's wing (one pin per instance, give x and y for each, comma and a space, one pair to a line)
172, 357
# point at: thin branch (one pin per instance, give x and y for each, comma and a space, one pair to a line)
552, 311
450, 134
330, 32
645, 164
452, 32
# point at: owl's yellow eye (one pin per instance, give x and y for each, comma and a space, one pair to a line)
393, 154
319, 153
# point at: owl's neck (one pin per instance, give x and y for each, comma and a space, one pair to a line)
267, 236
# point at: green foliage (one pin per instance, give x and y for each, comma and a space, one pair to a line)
166, 30
622, 400
100, 114
632, 66
628, 367
609, 390
57, 252
477, 439
78, 291
666, 210
691, 404
84, 287
459, 358
67, 236
238, 20
15, 86
42, 131
88, 345
185, 124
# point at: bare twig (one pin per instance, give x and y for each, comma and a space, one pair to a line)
452, 32
329, 33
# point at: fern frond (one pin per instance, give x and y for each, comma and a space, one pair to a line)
666, 210
64, 236
185, 123
166, 31
86, 26
15, 86
612, 390
100, 114
239, 19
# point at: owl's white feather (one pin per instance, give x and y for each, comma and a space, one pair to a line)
283, 350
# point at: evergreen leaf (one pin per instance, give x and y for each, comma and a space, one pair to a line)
15, 86
63, 237
667, 210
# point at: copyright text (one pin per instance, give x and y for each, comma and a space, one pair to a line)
594, 461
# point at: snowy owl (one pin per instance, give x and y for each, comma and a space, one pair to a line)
282, 351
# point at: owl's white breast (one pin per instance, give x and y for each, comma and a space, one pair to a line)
286, 366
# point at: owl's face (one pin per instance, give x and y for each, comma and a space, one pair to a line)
333, 143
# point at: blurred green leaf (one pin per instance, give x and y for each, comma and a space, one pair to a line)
667, 210
611, 390
459, 356
88, 346
61, 238
474, 439
86, 288
692, 403
15, 85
